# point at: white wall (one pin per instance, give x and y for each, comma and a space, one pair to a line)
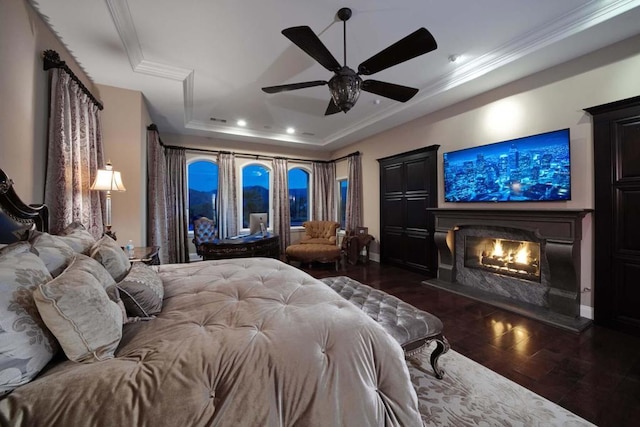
124, 121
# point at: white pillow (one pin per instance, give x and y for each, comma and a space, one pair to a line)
78, 311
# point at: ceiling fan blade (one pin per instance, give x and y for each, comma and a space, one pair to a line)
415, 44
332, 108
307, 40
293, 86
389, 90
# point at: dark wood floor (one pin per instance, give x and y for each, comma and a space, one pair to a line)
595, 374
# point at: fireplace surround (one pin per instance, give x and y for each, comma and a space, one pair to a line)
553, 297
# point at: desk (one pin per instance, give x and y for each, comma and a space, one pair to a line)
241, 247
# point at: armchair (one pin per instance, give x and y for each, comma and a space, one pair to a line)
318, 243
204, 232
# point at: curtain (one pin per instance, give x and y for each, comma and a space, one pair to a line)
74, 155
353, 216
281, 208
157, 209
177, 201
323, 188
227, 200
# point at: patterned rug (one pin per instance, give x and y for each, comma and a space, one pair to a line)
472, 395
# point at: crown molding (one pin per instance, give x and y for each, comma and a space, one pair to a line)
586, 16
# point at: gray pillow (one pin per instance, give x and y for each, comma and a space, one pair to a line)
26, 345
52, 250
76, 236
142, 291
107, 252
77, 310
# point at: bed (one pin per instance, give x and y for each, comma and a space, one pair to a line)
237, 342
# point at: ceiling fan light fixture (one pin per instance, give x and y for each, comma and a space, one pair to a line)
345, 88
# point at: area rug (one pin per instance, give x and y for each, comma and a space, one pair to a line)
472, 395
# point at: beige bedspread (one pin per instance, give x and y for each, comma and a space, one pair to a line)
243, 342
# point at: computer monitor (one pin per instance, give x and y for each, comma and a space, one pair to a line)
255, 219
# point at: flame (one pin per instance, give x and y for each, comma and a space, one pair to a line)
522, 255
497, 249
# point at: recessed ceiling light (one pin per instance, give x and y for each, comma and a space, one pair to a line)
242, 123
291, 130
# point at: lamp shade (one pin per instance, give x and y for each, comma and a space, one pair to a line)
108, 180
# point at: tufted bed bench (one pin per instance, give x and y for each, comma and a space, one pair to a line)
414, 329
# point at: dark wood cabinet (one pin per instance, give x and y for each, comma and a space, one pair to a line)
408, 186
616, 139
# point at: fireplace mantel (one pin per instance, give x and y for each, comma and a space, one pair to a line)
561, 230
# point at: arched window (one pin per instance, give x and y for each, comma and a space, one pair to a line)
255, 192
298, 195
202, 181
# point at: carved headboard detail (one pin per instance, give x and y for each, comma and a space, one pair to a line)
16, 215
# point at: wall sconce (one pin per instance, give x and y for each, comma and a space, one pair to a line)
108, 180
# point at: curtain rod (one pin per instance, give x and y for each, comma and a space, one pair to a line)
52, 60
251, 156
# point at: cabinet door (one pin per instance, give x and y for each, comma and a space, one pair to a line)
407, 189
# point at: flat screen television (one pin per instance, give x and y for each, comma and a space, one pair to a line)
528, 169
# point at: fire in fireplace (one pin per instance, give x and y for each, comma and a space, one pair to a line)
515, 258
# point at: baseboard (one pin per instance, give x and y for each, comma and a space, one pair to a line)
586, 311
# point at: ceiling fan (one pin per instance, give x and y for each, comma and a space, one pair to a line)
346, 83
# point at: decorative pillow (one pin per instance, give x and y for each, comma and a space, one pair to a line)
78, 311
76, 236
26, 345
52, 250
142, 291
90, 265
107, 252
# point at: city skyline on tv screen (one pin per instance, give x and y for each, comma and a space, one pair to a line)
532, 168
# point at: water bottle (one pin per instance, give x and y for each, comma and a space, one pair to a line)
129, 248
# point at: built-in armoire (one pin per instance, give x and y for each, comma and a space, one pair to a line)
408, 186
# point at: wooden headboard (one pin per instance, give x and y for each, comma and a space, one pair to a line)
16, 215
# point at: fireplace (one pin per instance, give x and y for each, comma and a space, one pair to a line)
514, 258
520, 260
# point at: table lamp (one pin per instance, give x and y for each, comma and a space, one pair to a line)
108, 180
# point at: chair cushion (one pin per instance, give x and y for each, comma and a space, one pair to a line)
313, 252
317, 241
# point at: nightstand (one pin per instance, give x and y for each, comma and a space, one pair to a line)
146, 254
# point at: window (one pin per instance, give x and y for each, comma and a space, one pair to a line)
298, 196
255, 191
342, 204
202, 179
